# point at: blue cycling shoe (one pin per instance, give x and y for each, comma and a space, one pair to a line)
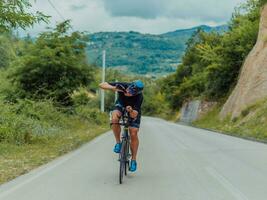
117, 148
133, 166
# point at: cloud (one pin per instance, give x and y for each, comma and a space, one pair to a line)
184, 9
202, 9
146, 16
135, 8
77, 7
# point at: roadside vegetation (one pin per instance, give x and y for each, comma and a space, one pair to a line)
210, 69
252, 123
212, 61
48, 92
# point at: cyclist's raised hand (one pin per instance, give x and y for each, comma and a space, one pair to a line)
120, 88
133, 113
129, 109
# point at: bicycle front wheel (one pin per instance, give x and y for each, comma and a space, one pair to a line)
122, 161
126, 163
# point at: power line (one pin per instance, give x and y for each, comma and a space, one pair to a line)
50, 2
57, 11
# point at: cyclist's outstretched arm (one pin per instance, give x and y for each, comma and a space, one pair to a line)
115, 87
107, 86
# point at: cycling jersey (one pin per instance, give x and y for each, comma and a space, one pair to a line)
134, 101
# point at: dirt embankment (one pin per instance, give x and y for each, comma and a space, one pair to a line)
252, 84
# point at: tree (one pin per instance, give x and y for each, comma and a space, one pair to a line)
54, 66
7, 52
14, 14
262, 2
212, 61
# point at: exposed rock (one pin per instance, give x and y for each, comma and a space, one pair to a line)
194, 110
205, 107
189, 111
252, 83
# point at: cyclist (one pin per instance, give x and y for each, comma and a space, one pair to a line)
130, 97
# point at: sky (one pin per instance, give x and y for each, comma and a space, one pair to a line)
145, 16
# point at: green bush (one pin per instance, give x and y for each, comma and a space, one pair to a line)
91, 115
54, 66
83, 96
25, 119
262, 2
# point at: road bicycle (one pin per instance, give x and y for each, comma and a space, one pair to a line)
124, 156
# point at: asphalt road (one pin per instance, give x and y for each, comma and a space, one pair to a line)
175, 162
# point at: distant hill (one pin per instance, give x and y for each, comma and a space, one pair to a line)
142, 53
190, 31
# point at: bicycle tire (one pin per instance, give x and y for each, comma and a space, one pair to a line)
126, 159
122, 161
121, 172
126, 168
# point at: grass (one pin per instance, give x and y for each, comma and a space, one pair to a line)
16, 160
252, 122
33, 133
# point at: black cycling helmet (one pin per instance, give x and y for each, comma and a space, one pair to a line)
136, 87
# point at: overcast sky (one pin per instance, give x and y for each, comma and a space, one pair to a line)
146, 16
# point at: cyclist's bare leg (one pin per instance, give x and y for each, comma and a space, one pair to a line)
134, 141
116, 127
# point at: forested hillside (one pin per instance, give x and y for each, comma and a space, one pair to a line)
143, 53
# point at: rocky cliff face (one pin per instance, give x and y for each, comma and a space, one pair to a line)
252, 84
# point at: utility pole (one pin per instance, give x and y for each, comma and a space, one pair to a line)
116, 94
102, 108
